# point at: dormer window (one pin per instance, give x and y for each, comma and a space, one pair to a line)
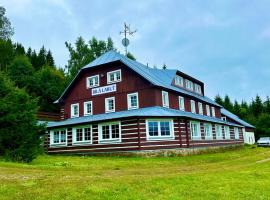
114, 76
198, 88
189, 85
92, 81
179, 81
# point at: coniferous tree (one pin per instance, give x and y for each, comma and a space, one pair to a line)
49, 59
19, 49
41, 58
228, 104
219, 100
256, 106
6, 54
237, 109
130, 56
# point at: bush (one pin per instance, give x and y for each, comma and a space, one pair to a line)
19, 131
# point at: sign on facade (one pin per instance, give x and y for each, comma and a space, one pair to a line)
104, 90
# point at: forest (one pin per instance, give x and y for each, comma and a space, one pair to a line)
30, 81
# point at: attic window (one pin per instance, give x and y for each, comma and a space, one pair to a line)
179, 81
114, 76
198, 89
92, 81
189, 85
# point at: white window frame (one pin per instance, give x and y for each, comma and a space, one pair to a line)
181, 101
219, 137
236, 133
224, 118
160, 137
227, 132
88, 81
129, 100
208, 110
107, 105
165, 100
179, 80
52, 137
192, 106
198, 137
110, 140
213, 111
72, 110
85, 108
189, 85
200, 106
198, 88
210, 137
83, 142
114, 72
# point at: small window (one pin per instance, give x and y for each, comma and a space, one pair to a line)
236, 133
192, 106
58, 137
88, 108
213, 112
82, 135
189, 85
200, 108
207, 110
219, 132
165, 99
159, 129
198, 88
114, 76
227, 132
75, 110
110, 104
92, 81
133, 101
208, 131
224, 119
179, 81
109, 132
195, 130
182, 103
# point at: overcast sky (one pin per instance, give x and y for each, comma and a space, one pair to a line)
225, 44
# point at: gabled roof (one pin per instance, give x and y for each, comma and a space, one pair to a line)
235, 118
158, 77
155, 111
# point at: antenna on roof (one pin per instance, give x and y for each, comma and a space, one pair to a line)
127, 31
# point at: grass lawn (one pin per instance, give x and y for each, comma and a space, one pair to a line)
238, 174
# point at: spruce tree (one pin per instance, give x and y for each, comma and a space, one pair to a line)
49, 59
219, 100
228, 104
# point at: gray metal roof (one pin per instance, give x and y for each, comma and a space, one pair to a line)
159, 77
155, 111
235, 118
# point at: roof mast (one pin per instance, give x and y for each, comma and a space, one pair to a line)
127, 31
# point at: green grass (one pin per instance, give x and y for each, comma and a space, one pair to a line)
238, 174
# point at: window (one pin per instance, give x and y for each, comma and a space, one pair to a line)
58, 137
114, 76
88, 108
207, 110
213, 112
133, 101
165, 99
224, 119
189, 84
208, 131
109, 132
198, 88
82, 135
92, 81
227, 132
236, 133
219, 132
75, 110
110, 104
179, 81
200, 108
182, 103
195, 130
192, 106
159, 129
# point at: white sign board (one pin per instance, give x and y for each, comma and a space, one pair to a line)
104, 90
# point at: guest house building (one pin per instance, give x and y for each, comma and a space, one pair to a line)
118, 104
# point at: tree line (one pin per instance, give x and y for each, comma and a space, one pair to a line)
257, 112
